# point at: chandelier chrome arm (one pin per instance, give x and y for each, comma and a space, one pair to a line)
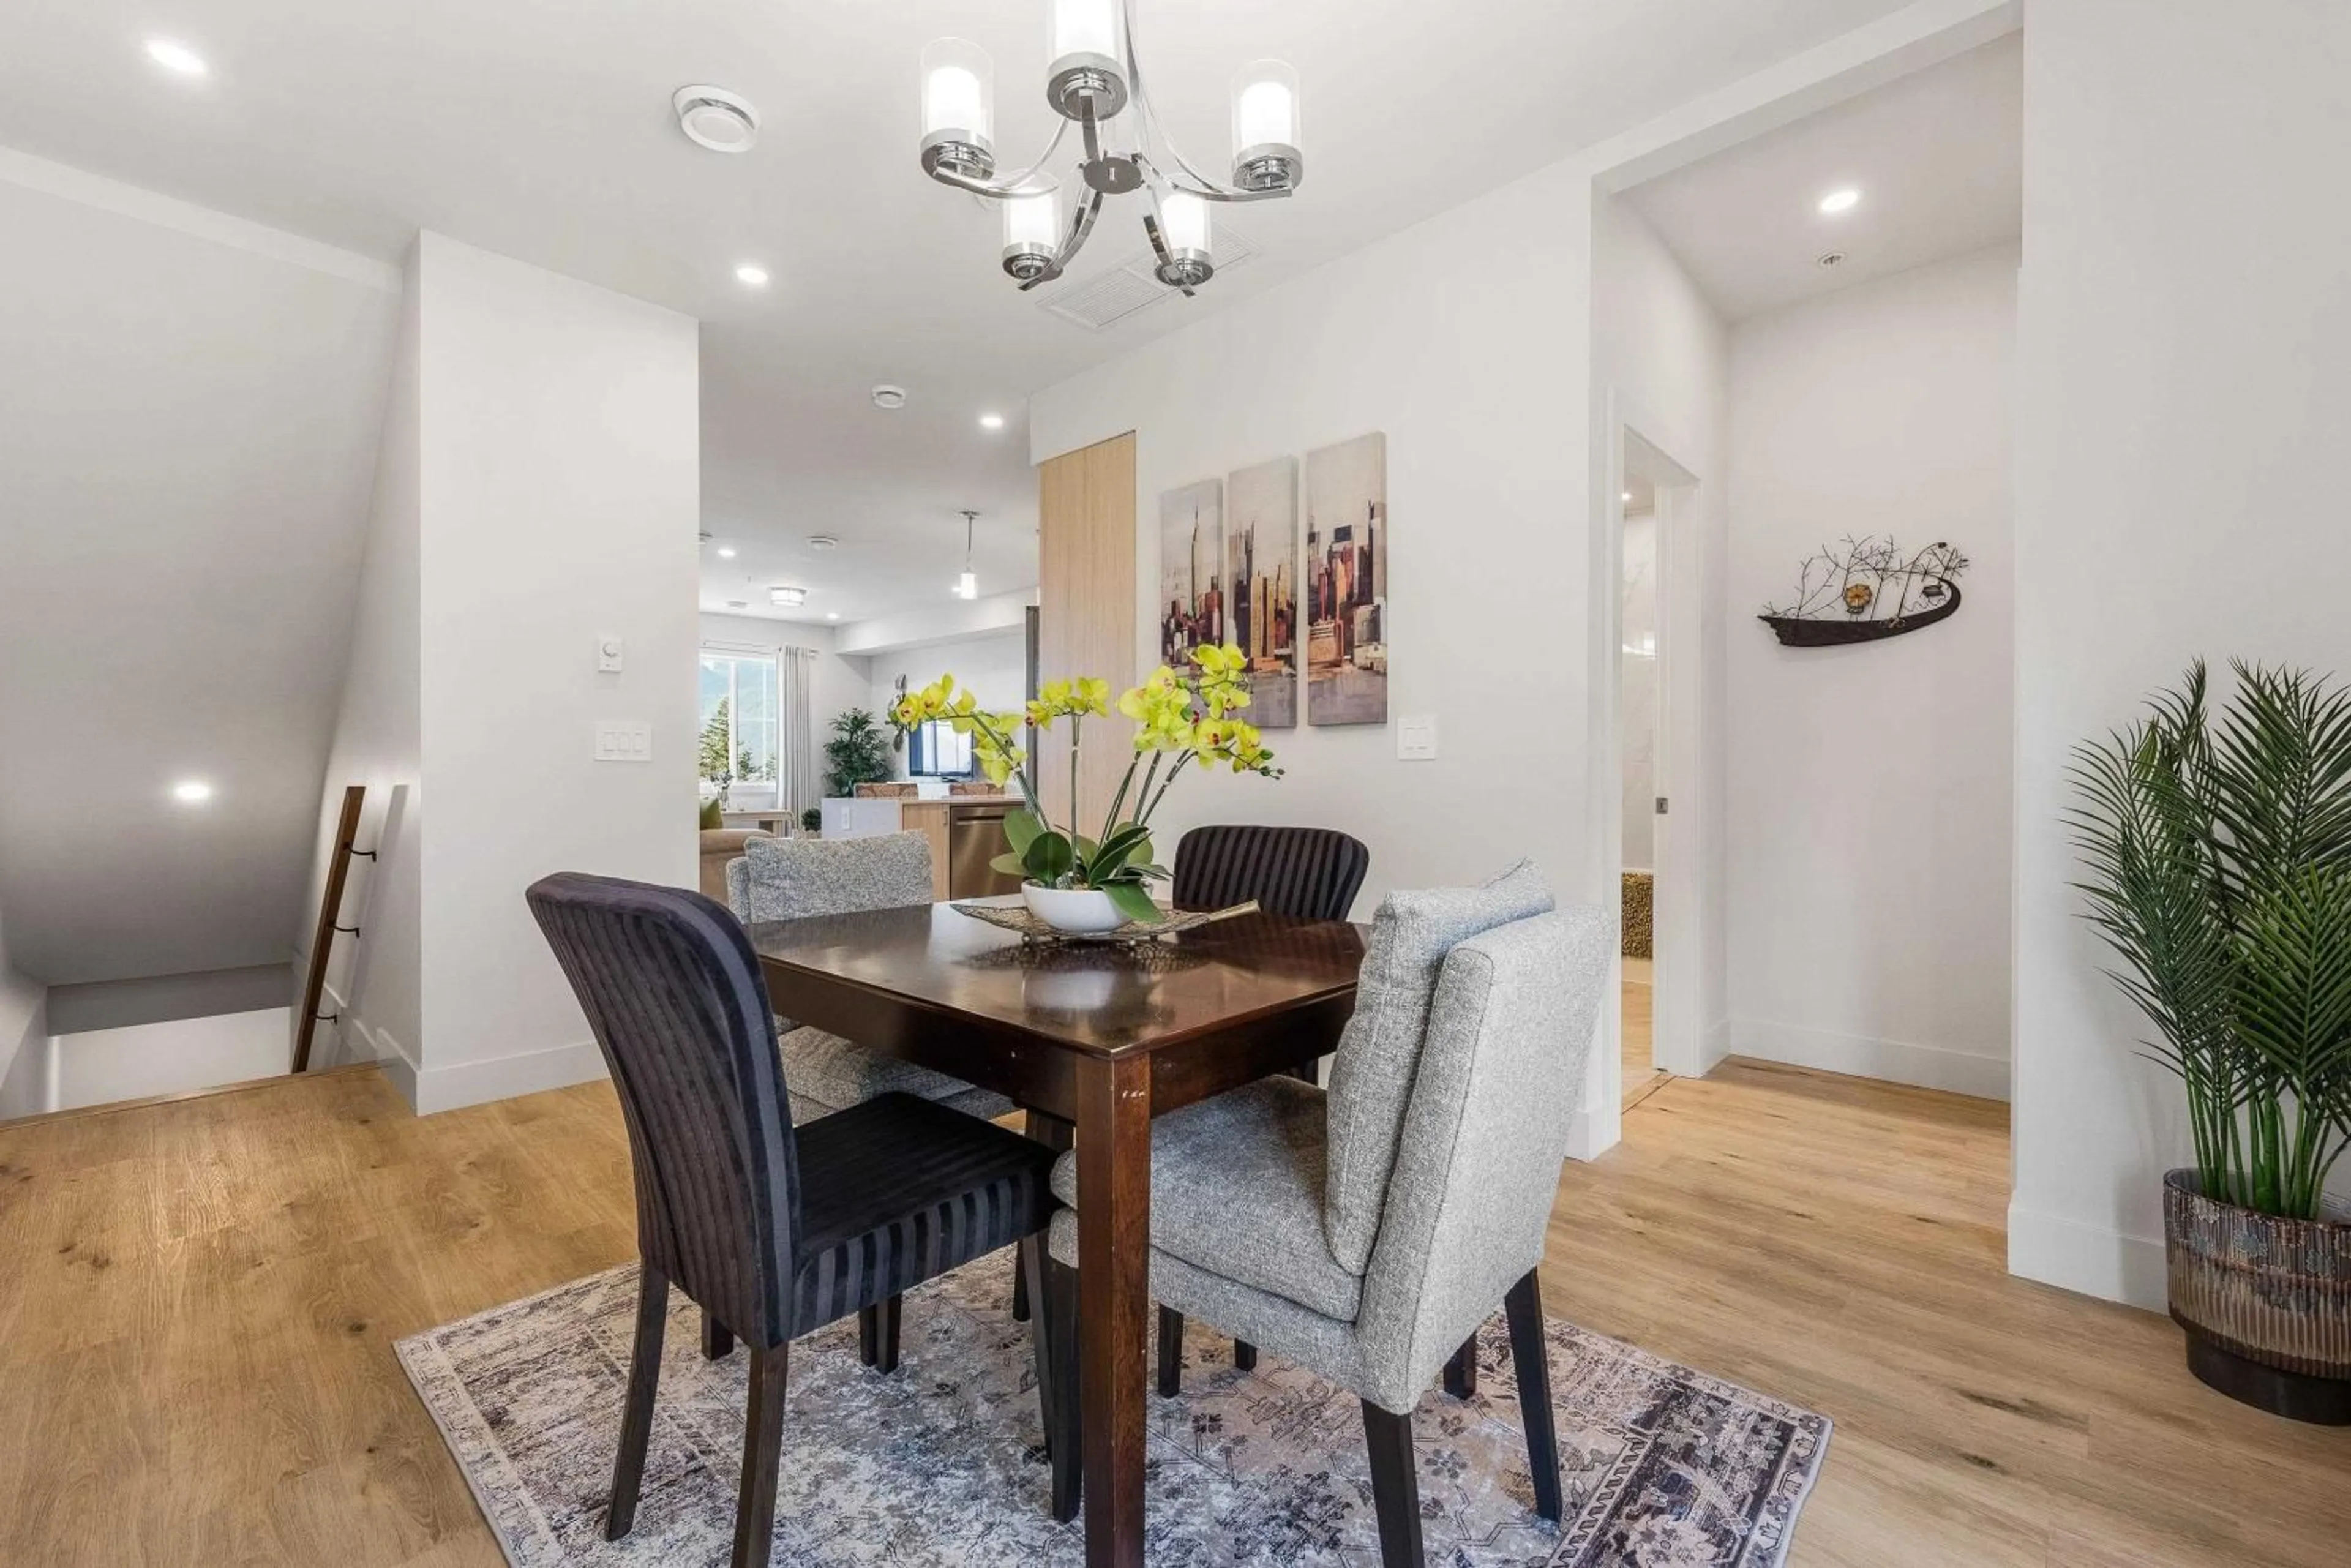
1008, 185
1082, 225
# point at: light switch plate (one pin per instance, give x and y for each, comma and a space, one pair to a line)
623, 740
1416, 737
608, 654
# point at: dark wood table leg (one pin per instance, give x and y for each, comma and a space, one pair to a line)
1114, 1300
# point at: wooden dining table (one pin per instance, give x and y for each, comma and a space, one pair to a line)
1092, 1039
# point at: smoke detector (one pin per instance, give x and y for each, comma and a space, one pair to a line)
888, 396
822, 541
784, 598
713, 117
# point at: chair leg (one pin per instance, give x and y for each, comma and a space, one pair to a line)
877, 1335
763, 1447
637, 1413
718, 1342
1528, 1354
1065, 1440
1395, 1486
1244, 1355
1054, 1133
1461, 1372
1040, 1336
1170, 1353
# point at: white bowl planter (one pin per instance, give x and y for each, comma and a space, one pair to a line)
1087, 911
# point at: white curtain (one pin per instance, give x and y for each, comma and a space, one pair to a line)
798, 775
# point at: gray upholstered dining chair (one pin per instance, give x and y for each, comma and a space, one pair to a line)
773, 1230
1365, 1233
784, 879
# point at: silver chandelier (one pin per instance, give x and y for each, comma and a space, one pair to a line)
1094, 78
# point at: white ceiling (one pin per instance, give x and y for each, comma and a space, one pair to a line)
188, 432
1937, 158
541, 129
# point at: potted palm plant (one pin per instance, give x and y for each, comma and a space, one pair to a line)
1073, 882
2219, 853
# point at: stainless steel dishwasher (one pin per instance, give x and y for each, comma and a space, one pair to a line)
975, 837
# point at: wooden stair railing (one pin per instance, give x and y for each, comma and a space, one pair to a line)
330, 909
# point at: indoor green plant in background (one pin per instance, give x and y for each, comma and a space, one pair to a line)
2219, 854
1075, 882
858, 753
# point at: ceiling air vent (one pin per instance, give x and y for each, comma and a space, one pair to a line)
1131, 286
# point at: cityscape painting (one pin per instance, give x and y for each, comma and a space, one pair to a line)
1347, 583
1191, 570
1261, 564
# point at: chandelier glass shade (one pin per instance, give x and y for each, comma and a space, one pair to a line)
1093, 81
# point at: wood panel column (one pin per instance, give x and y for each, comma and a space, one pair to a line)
1085, 539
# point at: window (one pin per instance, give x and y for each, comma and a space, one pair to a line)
740, 732
935, 750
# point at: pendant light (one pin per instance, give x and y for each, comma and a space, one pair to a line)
967, 585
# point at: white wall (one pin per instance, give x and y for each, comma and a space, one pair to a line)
1464, 339
559, 502
554, 500
1660, 367
376, 980
98, 1067
1869, 811
24, 1037
2184, 384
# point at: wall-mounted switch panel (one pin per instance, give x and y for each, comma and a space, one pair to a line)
608, 654
1416, 737
623, 740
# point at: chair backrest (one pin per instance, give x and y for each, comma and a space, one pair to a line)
673, 993
784, 879
1310, 873
1477, 1170
1378, 1057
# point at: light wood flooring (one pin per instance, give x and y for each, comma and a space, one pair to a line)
198, 1300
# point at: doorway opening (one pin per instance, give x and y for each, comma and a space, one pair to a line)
1640, 716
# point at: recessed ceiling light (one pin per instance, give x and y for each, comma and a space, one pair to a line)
1625, 496
1829, 258
713, 117
738, 604
784, 598
822, 541
1843, 201
752, 273
888, 396
192, 790
991, 422
832, 615
177, 57
725, 552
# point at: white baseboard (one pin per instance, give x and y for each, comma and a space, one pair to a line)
1894, 1061
2087, 1258
504, 1077
1713, 1045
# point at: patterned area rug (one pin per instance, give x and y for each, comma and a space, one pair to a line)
943, 1462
